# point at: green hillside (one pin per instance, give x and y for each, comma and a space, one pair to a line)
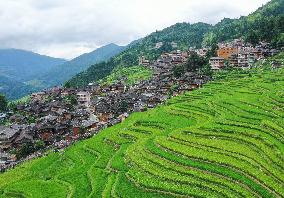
223, 140
265, 24
130, 75
65, 71
184, 34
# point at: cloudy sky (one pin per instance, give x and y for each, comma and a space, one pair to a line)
67, 28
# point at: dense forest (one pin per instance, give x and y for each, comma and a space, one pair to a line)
265, 24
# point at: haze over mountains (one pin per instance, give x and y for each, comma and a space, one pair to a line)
23, 72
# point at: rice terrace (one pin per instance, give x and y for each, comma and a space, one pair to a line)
223, 140
142, 99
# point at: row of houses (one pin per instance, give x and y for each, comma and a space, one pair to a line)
235, 54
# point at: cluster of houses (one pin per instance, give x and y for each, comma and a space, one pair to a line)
239, 54
53, 118
236, 53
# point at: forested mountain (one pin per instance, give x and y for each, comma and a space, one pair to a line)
267, 23
63, 72
14, 89
20, 68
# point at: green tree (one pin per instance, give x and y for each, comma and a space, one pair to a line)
167, 47
123, 106
178, 70
206, 70
172, 90
3, 103
25, 150
195, 62
72, 100
212, 51
67, 84
39, 144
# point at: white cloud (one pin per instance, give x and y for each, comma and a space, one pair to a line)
67, 28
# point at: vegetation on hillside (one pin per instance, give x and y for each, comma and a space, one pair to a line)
3, 103
225, 139
129, 76
266, 24
183, 34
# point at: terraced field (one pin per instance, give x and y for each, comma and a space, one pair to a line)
224, 140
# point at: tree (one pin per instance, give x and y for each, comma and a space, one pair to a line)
172, 90
167, 47
212, 52
72, 100
195, 62
3, 103
178, 70
25, 150
67, 84
206, 70
39, 144
123, 106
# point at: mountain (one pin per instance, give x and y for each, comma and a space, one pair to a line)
61, 73
224, 140
183, 34
19, 70
24, 72
265, 24
24, 65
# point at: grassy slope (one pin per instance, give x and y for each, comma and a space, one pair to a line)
226, 139
134, 74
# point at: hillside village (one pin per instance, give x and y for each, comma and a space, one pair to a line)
57, 117
236, 54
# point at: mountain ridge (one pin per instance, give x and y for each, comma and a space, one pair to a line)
266, 23
80, 63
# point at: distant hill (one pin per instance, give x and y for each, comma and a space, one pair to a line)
23, 72
60, 74
24, 65
265, 24
20, 68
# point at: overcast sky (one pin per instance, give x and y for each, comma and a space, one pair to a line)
67, 28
